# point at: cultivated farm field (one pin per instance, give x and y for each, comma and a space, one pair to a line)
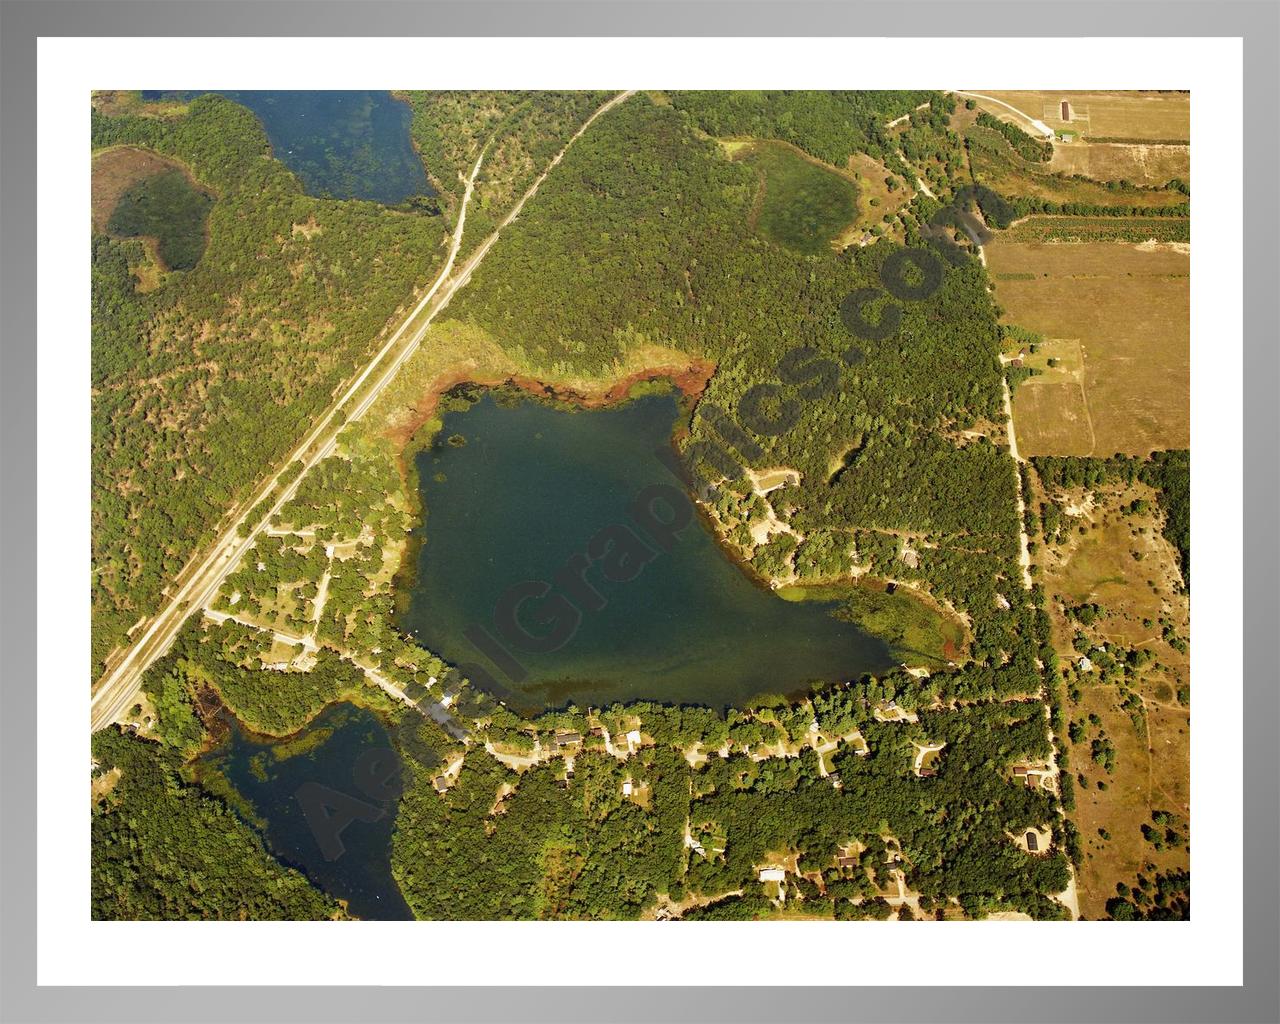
1115, 318
1141, 163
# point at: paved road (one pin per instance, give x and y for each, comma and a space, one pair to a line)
116, 691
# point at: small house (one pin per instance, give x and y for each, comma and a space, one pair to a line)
1085, 665
1033, 842
440, 783
773, 874
567, 738
846, 861
627, 788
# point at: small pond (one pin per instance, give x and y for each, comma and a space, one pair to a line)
345, 144
325, 801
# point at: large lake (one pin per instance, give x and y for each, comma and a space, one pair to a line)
324, 804
513, 489
348, 144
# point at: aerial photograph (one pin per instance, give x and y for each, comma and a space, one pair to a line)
640, 505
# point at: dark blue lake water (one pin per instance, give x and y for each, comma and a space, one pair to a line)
515, 489
328, 797
342, 144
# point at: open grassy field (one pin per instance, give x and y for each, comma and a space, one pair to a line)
1124, 564
1130, 116
1115, 317
875, 200
802, 204
1141, 163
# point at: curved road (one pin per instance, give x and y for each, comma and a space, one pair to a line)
1038, 125
117, 689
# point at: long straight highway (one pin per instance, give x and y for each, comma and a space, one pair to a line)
117, 689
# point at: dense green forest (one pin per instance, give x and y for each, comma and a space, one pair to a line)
619, 250
166, 850
201, 385
885, 402
616, 251
831, 125
521, 130
585, 845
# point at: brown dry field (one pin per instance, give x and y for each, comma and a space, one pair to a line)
1104, 161
1117, 316
115, 171
1112, 115
1151, 772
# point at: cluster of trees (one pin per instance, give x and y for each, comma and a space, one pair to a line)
642, 237
643, 233
497, 844
1157, 896
831, 124
203, 383
523, 132
1023, 144
996, 162
166, 850
1169, 472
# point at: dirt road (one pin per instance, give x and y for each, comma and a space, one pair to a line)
1040, 127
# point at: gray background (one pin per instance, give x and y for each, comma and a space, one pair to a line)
1258, 22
